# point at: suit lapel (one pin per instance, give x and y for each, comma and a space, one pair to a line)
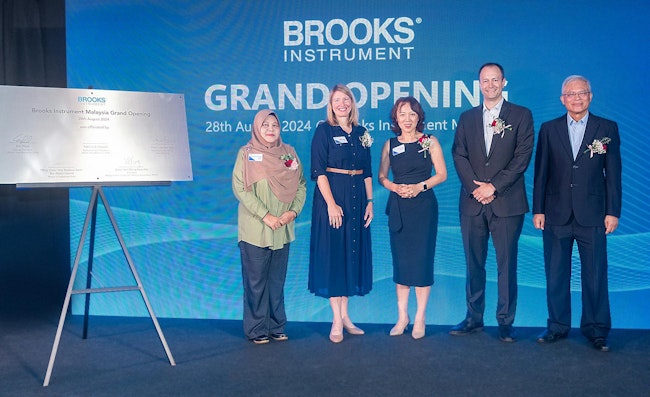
505, 111
478, 119
563, 132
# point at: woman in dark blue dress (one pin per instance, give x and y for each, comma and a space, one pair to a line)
412, 208
340, 256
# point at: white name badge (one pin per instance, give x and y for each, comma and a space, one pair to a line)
340, 140
399, 149
255, 156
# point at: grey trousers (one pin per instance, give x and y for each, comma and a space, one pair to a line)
263, 274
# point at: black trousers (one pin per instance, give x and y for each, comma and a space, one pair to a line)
264, 272
592, 247
505, 232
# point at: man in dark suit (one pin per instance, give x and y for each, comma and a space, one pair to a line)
577, 197
492, 149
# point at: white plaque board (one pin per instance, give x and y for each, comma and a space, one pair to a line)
84, 136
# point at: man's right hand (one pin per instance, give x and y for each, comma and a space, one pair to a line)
538, 221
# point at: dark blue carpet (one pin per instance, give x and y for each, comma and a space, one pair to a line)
124, 357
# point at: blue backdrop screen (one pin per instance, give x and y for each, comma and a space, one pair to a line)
231, 58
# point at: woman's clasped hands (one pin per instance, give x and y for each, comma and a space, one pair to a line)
408, 191
276, 222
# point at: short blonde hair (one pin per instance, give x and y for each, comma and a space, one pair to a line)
353, 117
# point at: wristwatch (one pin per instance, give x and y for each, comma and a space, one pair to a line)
424, 186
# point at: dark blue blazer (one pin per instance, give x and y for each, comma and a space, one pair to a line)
504, 166
589, 187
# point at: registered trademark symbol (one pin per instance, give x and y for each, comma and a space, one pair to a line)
418, 20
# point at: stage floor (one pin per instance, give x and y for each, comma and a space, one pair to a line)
124, 357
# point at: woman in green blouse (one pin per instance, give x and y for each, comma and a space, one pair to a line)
268, 181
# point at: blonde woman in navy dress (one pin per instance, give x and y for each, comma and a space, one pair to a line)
412, 208
340, 257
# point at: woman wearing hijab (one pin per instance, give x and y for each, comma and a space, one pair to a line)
340, 256
268, 181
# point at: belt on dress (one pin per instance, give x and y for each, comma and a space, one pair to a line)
341, 171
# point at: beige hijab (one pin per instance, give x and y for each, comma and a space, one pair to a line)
283, 180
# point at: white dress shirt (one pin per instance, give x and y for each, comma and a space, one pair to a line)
488, 117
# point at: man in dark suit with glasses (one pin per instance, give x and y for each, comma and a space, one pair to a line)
577, 197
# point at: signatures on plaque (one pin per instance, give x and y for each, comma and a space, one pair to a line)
130, 166
162, 144
22, 143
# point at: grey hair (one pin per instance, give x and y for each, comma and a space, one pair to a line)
575, 77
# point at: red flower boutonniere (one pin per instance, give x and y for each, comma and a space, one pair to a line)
598, 146
425, 144
289, 161
499, 127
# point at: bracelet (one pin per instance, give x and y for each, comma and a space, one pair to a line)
370, 200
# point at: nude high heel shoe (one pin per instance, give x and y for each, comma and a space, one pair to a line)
399, 328
418, 329
351, 328
336, 334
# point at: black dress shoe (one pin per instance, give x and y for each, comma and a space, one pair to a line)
466, 327
507, 333
600, 344
550, 337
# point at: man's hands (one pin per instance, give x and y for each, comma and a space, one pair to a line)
611, 222
484, 193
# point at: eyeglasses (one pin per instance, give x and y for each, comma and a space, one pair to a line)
579, 95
